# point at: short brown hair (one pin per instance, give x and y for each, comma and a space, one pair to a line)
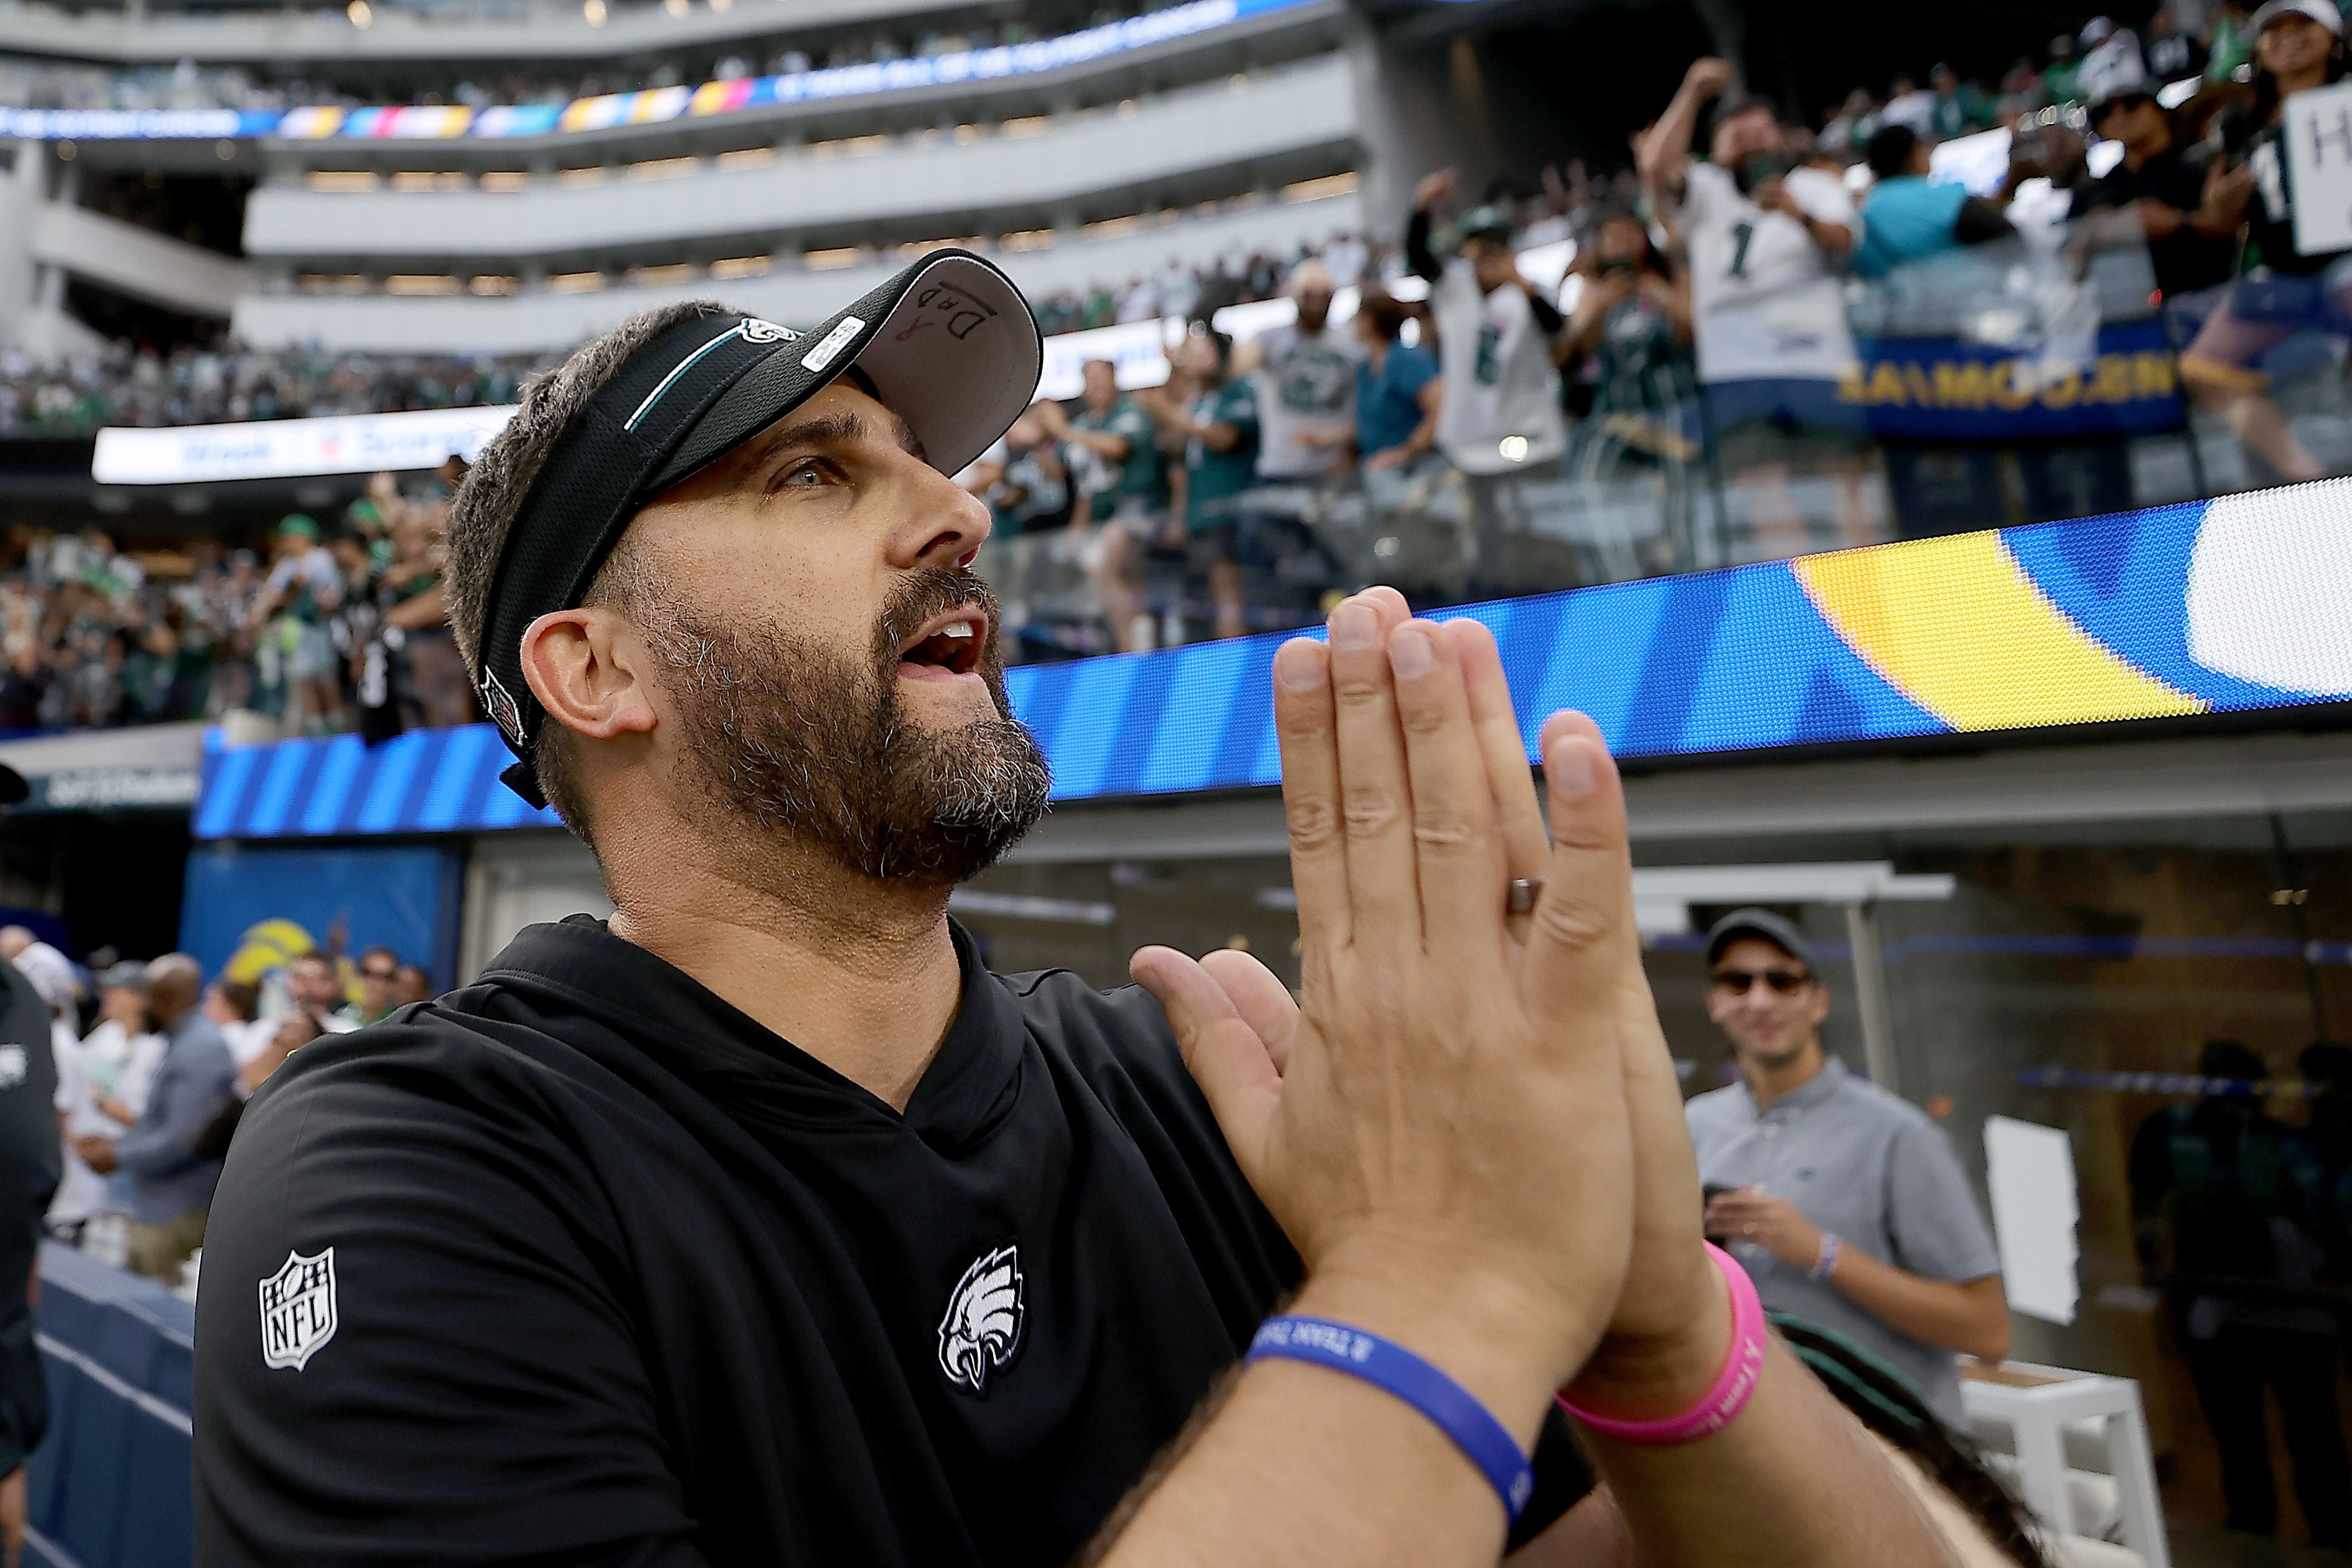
487, 503
1386, 312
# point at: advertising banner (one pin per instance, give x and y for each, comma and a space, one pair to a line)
1944, 390
286, 448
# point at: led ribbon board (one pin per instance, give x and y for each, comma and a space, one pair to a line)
2207, 607
653, 106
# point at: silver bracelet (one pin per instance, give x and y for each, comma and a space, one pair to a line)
1830, 1243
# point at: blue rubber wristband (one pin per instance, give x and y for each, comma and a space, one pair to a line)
1385, 1365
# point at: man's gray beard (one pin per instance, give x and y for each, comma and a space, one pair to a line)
787, 738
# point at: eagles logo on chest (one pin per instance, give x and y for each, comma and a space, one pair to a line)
980, 1333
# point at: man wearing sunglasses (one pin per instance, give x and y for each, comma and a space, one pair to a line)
2155, 192
1844, 1203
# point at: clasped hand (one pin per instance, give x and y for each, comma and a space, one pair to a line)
1468, 1116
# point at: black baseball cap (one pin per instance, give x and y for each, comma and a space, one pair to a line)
1762, 924
949, 343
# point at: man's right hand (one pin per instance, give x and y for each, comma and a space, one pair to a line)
14, 1517
1433, 189
1708, 77
1442, 1127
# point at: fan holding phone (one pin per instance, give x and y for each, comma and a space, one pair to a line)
1845, 1203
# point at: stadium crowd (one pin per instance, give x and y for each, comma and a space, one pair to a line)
140, 384
153, 1068
324, 634
1689, 394
1698, 390
200, 383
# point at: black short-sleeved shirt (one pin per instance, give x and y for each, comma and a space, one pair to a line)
579, 1264
30, 1160
2185, 260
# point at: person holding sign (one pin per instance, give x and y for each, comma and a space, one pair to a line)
2290, 280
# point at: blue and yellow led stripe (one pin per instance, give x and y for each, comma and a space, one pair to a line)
2084, 621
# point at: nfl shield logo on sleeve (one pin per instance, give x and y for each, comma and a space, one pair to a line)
297, 1310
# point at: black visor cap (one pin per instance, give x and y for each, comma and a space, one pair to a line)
949, 343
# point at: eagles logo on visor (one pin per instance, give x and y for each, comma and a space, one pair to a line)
948, 343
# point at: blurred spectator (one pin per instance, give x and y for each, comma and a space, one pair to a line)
167, 1185
1215, 415
304, 587
1630, 341
1959, 110
1399, 392
2169, 54
1843, 136
1026, 484
413, 984
2156, 191
1500, 422
1766, 243
2022, 91
379, 973
423, 677
233, 1006
1907, 217
2299, 47
314, 987
1305, 376
102, 1088
2222, 1203
2061, 78
2047, 164
123, 1051
2231, 41
1908, 104
1123, 483
286, 1036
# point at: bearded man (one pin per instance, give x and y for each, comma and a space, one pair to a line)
760, 1223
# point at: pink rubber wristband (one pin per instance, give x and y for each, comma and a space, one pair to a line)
1719, 1406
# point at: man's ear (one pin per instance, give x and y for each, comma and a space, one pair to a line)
581, 666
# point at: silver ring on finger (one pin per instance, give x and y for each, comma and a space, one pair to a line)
1520, 897
1750, 1228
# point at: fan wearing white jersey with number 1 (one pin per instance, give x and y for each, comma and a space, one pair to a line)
1768, 245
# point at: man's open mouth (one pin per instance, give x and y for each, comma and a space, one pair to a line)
953, 642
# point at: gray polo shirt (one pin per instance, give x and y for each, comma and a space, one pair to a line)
1874, 1169
157, 1168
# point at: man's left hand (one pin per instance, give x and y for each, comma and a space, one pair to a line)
1772, 1223
97, 1153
